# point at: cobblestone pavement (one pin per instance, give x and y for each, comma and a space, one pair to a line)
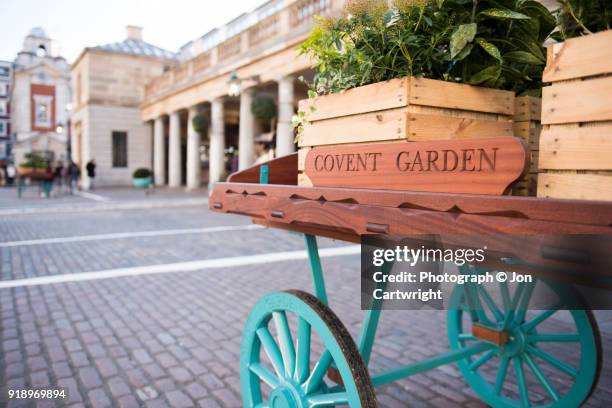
174, 339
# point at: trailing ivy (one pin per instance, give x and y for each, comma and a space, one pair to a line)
492, 43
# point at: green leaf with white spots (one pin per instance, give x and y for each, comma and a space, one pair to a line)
462, 36
491, 49
504, 14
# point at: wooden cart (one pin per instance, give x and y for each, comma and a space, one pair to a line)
493, 332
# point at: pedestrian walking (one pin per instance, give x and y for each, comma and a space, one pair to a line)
58, 175
74, 174
11, 173
47, 182
91, 172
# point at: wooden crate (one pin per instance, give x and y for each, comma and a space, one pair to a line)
404, 109
527, 116
575, 156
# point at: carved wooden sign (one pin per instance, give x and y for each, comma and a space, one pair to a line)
480, 166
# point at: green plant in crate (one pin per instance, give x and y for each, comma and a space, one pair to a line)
580, 17
497, 44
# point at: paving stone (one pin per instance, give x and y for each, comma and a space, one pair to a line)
89, 377
99, 399
72, 389
162, 340
118, 387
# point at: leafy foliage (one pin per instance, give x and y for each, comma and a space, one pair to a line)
579, 17
200, 124
35, 161
142, 173
492, 43
263, 107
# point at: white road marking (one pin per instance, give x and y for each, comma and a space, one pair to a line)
120, 235
92, 196
179, 267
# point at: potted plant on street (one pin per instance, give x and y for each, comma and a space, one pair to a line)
142, 178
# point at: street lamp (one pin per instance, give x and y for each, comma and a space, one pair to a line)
234, 84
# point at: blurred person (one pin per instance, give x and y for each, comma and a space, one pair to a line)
47, 182
91, 172
74, 174
11, 173
58, 175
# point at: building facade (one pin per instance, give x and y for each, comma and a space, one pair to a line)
6, 74
40, 98
108, 83
256, 53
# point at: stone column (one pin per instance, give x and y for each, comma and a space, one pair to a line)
174, 151
193, 152
284, 129
246, 147
217, 142
159, 152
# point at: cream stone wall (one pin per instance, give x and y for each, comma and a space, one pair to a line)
107, 91
97, 123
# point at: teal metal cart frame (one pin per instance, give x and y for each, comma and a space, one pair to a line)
498, 331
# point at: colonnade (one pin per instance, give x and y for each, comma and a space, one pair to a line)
246, 138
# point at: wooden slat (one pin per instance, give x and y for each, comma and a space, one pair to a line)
527, 108
303, 180
302, 152
480, 166
369, 98
593, 213
282, 170
366, 127
578, 101
438, 127
575, 186
529, 132
451, 95
585, 148
579, 57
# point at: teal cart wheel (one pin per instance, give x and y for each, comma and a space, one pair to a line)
276, 370
530, 351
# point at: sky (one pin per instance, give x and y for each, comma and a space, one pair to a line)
76, 24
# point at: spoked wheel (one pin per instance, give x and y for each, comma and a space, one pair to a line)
561, 367
285, 377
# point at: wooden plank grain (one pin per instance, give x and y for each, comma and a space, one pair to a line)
570, 211
579, 57
430, 92
484, 166
527, 108
575, 186
582, 148
367, 127
369, 98
438, 127
282, 170
577, 101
